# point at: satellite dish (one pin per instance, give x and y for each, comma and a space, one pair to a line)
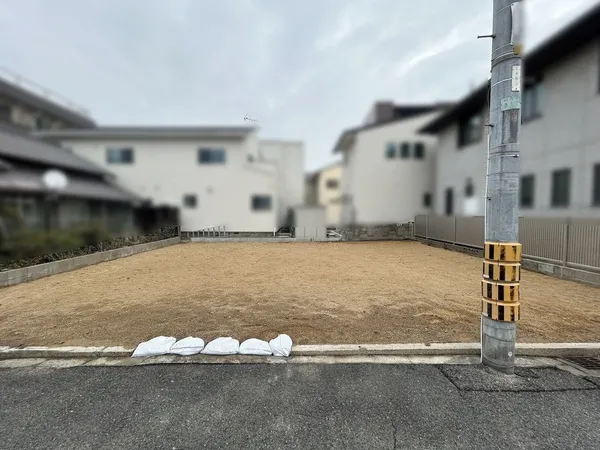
55, 180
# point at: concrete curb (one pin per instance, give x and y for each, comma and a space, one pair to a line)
387, 349
442, 349
64, 352
553, 350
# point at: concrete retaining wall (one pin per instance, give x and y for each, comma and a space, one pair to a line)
392, 232
17, 276
261, 239
554, 270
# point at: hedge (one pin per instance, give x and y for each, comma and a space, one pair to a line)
28, 248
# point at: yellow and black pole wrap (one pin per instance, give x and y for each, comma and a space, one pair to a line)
500, 286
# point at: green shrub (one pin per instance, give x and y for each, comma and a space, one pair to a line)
30, 243
28, 248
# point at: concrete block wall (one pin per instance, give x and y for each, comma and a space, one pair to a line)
391, 232
17, 276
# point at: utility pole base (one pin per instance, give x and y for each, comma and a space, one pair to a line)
498, 344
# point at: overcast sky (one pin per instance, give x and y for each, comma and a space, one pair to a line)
306, 70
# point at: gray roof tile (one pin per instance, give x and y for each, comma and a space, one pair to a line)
23, 180
25, 148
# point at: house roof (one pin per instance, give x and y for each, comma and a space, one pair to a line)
23, 161
4, 165
561, 44
28, 149
28, 180
149, 132
29, 98
401, 112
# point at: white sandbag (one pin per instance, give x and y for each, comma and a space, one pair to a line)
187, 346
255, 347
222, 346
160, 345
281, 345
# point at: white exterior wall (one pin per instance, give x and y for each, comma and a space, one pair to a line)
388, 190
288, 159
454, 166
166, 170
567, 135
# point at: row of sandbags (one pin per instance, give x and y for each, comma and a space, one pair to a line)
164, 345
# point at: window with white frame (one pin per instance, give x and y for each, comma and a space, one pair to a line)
260, 203
190, 201
122, 155
532, 100
390, 150
404, 150
419, 150
470, 130
211, 156
561, 188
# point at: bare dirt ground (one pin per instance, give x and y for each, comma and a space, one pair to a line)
381, 292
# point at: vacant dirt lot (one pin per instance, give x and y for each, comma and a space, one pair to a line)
384, 292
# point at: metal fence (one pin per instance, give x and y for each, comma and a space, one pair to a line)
567, 242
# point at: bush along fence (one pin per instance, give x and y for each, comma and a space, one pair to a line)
565, 248
37, 247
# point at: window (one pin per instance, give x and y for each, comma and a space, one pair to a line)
531, 101
5, 113
119, 156
470, 130
332, 183
390, 151
261, 202
526, 191
561, 188
190, 201
211, 156
449, 204
419, 150
404, 150
427, 200
596, 193
42, 123
469, 189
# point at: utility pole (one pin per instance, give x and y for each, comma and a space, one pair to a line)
500, 304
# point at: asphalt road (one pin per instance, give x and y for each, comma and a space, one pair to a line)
293, 406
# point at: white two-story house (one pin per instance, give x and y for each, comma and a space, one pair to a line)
217, 176
387, 165
560, 135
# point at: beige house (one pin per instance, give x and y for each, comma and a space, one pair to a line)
324, 187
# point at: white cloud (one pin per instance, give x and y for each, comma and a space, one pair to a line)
458, 35
355, 15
